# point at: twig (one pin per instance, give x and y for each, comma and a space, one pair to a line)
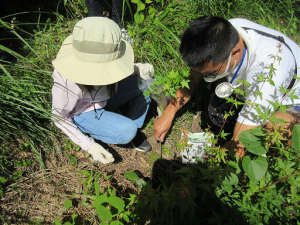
109, 184
279, 180
160, 149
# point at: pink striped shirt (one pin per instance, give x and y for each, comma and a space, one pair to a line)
70, 99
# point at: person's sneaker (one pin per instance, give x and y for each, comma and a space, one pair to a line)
126, 36
140, 143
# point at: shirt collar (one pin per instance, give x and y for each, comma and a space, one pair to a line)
247, 41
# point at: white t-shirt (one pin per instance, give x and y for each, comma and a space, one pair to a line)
259, 50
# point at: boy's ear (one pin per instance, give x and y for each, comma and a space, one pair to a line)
236, 52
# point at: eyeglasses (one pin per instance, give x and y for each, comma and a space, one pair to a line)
211, 75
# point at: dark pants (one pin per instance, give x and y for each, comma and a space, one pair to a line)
95, 9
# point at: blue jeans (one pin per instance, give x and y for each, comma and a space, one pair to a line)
111, 127
296, 108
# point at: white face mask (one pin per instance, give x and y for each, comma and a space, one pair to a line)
219, 76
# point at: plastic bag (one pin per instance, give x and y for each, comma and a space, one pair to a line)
145, 81
197, 143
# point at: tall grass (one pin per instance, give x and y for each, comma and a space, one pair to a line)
26, 82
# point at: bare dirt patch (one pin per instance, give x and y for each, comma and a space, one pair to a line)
40, 195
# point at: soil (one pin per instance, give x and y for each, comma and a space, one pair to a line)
40, 195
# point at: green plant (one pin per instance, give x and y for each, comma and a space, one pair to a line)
70, 145
72, 159
167, 85
110, 208
130, 175
152, 157
23, 163
166, 150
2, 181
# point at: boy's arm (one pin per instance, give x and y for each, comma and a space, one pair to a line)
163, 123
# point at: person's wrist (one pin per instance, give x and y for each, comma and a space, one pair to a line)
170, 111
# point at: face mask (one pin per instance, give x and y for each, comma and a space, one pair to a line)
219, 76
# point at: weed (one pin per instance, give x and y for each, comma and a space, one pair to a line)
2, 182
72, 159
152, 157
166, 150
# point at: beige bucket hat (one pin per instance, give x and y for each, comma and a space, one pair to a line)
95, 54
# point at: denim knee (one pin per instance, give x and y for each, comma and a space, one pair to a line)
127, 132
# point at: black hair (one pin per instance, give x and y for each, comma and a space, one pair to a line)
111, 89
208, 38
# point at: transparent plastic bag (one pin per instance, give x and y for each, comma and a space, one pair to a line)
145, 83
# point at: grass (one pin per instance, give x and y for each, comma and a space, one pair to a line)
25, 73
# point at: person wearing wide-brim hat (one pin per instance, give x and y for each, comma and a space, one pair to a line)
94, 75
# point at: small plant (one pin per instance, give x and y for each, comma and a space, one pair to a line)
110, 208
152, 157
166, 150
2, 182
130, 175
23, 163
72, 159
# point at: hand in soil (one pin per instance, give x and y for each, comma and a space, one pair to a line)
162, 126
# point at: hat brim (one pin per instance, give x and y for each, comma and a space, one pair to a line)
92, 73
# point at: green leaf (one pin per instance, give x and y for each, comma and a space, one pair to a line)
271, 82
2, 180
141, 6
173, 74
116, 222
125, 216
229, 180
98, 176
99, 200
131, 175
296, 138
97, 188
107, 177
293, 191
135, 1
185, 83
57, 221
252, 141
84, 203
104, 213
103, 223
148, 1
151, 12
68, 204
117, 202
74, 216
183, 170
138, 18
141, 183
256, 168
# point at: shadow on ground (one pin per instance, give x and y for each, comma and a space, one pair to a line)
183, 197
